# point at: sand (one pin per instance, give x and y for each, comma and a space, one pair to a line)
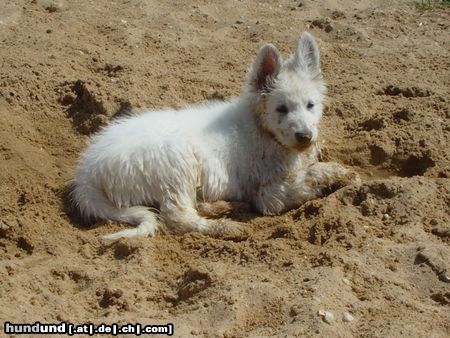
379, 252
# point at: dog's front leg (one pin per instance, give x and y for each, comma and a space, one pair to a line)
326, 177
317, 180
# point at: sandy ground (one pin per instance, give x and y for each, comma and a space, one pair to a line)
379, 252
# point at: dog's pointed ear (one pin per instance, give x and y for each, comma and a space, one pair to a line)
265, 69
307, 54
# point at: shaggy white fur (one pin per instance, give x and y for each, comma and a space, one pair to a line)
259, 148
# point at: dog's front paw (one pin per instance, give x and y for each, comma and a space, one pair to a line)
352, 178
340, 177
346, 177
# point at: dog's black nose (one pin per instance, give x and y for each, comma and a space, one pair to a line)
304, 138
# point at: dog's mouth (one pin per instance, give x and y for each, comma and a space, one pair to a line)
302, 147
297, 147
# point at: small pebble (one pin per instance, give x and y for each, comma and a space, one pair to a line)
328, 317
347, 317
346, 281
444, 278
386, 217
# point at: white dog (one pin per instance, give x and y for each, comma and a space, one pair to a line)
260, 148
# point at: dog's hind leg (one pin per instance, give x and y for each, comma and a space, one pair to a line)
181, 219
93, 203
220, 209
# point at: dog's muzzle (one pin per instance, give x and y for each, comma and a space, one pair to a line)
304, 139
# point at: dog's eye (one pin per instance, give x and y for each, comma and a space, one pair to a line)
283, 109
310, 105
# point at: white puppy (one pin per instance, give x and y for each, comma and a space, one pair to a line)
260, 148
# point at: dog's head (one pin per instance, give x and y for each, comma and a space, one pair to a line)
288, 95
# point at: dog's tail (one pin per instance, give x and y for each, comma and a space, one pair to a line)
92, 203
146, 221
